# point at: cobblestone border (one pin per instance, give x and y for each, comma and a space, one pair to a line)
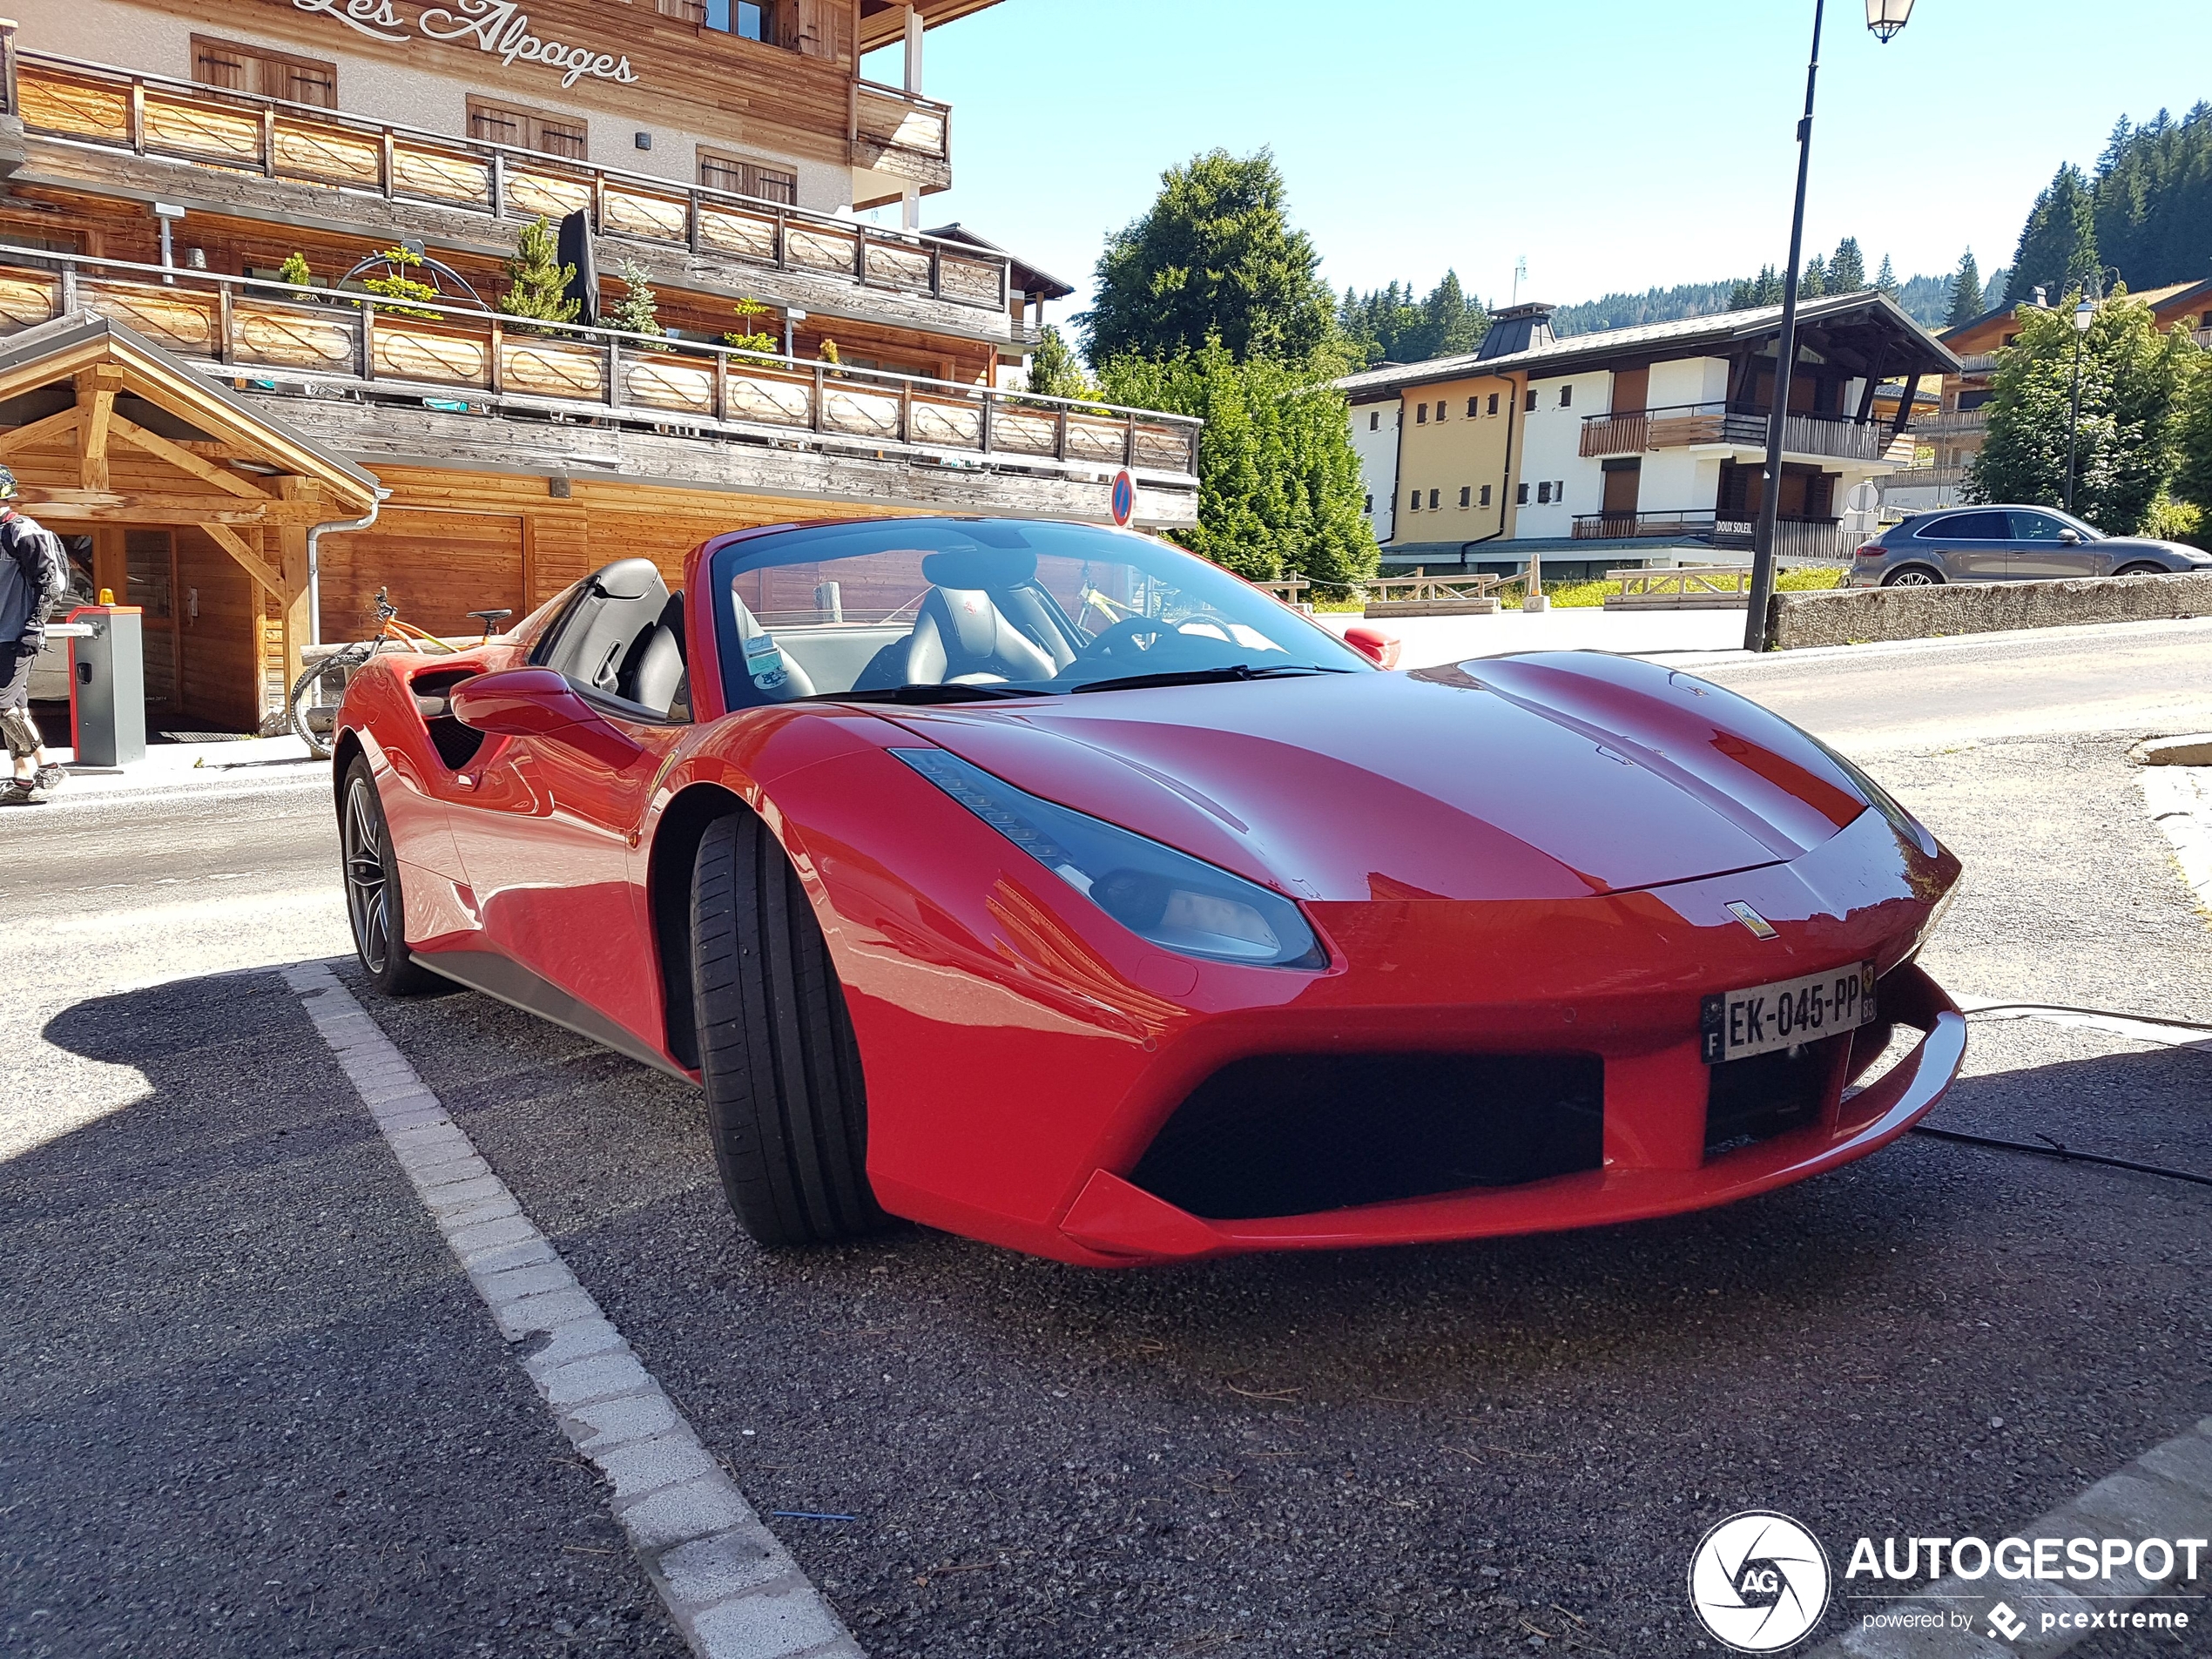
733, 1589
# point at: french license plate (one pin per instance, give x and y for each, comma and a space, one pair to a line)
1738, 1024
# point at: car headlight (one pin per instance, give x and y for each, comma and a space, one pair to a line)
1176, 901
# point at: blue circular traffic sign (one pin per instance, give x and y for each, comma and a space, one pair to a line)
1124, 498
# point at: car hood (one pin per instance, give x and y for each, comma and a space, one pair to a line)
2121, 545
1547, 776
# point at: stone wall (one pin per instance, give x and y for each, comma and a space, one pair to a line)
1862, 615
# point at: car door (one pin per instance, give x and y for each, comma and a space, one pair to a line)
2039, 551
1976, 547
547, 824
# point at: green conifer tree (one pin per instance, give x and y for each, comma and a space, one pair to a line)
1814, 282
1885, 279
538, 282
1967, 303
638, 310
1847, 269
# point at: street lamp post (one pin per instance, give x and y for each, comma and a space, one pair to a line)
1884, 19
2084, 314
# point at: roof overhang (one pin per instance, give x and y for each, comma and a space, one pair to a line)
884, 23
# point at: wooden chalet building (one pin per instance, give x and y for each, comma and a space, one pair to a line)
251, 460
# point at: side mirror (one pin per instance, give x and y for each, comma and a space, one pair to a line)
2071, 539
1378, 645
538, 702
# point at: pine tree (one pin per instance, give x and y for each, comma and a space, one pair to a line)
1053, 371
1214, 255
538, 282
2058, 246
396, 284
1885, 279
1847, 270
1739, 296
1814, 282
294, 270
1967, 301
638, 310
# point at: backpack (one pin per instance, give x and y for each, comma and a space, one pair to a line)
42, 564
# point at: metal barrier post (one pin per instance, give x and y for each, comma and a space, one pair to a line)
107, 685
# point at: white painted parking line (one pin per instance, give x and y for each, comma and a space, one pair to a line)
733, 1589
2165, 1493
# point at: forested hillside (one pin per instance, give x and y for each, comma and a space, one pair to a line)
2146, 211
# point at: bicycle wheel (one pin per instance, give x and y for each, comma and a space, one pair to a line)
317, 693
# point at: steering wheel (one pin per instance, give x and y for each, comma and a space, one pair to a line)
1142, 639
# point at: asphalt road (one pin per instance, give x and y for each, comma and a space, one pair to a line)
251, 1405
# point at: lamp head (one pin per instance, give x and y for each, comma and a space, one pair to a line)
1885, 17
2084, 314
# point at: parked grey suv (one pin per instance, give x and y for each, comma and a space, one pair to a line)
2009, 543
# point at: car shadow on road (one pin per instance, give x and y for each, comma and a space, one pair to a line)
249, 1404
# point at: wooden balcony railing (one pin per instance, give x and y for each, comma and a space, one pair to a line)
1797, 538
148, 115
1955, 423
898, 120
483, 362
1683, 425
1633, 526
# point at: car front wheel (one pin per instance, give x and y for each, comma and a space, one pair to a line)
1912, 576
2143, 570
785, 1098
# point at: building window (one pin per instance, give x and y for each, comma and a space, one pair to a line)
251, 69
527, 129
743, 178
1434, 496
1520, 495
1558, 492
1486, 496
1566, 396
1420, 414
1474, 407
1370, 507
1494, 402
760, 20
1374, 421
1532, 400
1442, 406
1466, 492
1543, 495
1414, 502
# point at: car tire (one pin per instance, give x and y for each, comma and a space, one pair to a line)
375, 903
784, 1097
2143, 570
1912, 576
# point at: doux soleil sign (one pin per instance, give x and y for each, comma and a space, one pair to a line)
500, 29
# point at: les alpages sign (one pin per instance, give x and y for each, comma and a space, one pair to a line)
500, 29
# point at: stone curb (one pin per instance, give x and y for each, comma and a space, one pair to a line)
1842, 615
2179, 799
732, 1588
2165, 1492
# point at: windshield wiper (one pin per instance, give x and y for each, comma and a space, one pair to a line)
1207, 675
927, 694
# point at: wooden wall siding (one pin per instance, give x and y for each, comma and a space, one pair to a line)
439, 566
216, 689
714, 84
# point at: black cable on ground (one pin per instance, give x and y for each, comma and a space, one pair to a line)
2060, 1150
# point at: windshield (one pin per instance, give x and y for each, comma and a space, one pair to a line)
933, 610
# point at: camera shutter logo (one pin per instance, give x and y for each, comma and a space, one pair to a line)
1758, 1581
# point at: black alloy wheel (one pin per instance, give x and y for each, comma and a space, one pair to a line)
785, 1098
376, 905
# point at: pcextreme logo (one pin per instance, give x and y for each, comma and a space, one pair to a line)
1758, 1581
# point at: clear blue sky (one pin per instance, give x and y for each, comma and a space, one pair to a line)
1617, 143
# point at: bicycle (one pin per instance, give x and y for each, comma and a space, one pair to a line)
312, 708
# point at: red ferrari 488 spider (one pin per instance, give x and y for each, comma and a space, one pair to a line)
1046, 884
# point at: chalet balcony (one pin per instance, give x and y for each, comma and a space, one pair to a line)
1823, 540
1955, 423
902, 134
402, 180
1683, 426
369, 370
